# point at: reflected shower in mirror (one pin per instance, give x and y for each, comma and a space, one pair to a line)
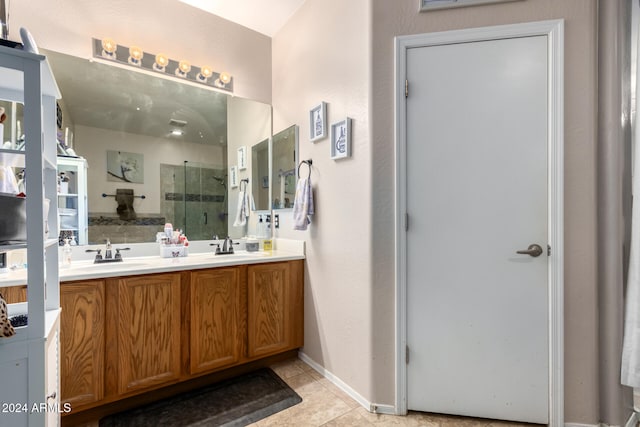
180, 132
260, 174
285, 161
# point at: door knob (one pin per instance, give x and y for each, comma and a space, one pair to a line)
533, 250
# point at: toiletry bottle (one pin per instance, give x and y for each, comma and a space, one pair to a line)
66, 253
267, 227
260, 227
168, 231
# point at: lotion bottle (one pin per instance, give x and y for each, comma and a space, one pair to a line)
66, 253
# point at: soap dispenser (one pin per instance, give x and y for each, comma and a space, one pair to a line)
66, 253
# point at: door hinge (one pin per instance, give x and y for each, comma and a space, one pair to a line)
406, 222
406, 354
548, 250
406, 88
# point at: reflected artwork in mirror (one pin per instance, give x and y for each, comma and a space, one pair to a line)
285, 161
260, 175
184, 132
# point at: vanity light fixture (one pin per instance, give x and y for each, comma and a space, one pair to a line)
183, 68
136, 57
109, 48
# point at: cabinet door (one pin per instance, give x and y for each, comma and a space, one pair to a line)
269, 308
216, 318
13, 294
148, 331
82, 342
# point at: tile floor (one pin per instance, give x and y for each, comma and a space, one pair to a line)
324, 404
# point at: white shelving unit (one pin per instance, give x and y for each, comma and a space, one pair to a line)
72, 204
29, 360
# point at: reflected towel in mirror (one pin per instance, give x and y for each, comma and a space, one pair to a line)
245, 205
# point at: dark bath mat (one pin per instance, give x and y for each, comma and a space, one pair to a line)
235, 402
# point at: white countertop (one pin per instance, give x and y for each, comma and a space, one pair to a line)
130, 266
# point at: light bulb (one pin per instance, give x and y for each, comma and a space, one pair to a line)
225, 77
135, 55
161, 62
204, 74
183, 67
109, 48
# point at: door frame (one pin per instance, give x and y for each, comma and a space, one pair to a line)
554, 30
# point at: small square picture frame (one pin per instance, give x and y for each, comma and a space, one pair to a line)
242, 157
341, 139
318, 122
233, 177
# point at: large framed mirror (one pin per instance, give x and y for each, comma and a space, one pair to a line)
182, 135
284, 167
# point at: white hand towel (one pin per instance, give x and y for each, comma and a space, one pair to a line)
303, 204
245, 205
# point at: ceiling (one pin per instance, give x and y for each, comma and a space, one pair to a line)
263, 16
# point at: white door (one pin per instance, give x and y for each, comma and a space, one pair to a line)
477, 311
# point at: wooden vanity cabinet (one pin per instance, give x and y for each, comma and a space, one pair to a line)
14, 294
144, 312
82, 342
124, 336
275, 307
217, 318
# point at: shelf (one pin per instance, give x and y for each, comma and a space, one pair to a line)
13, 80
12, 158
67, 195
50, 242
50, 318
13, 247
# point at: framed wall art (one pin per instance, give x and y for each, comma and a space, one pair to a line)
341, 139
427, 5
242, 158
233, 177
318, 122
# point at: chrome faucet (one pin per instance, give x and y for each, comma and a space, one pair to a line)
227, 246
107, 250
108, 254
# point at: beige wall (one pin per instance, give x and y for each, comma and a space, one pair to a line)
169, 26
347, 59
322, 54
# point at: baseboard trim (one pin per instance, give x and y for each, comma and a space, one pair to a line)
632, 422
369, 406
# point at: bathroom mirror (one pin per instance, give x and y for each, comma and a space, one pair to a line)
284, 167
260, 174
182, 136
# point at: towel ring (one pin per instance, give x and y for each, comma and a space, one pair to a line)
308, 163
246, 182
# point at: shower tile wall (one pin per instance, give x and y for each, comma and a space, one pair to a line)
203, 199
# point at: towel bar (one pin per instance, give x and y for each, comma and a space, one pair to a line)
113, 195
308, 162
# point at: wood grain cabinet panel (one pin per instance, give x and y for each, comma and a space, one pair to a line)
216, 324
269, 295
82, 342
13, 294
148, 331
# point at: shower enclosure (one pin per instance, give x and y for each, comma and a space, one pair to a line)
194, 199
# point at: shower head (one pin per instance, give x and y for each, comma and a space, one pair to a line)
221, 180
